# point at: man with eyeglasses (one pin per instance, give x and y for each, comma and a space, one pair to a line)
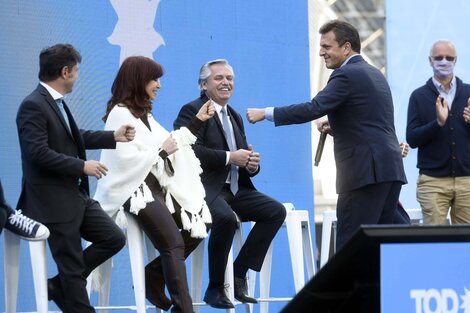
439, 126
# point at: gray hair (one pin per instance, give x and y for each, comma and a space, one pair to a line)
442, 41
205, 70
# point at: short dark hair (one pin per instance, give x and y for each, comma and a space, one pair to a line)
344, 32
129, 85
53, 59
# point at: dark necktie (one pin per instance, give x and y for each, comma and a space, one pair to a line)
231, 145
60, 105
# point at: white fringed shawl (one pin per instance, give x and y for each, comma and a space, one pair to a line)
130, 163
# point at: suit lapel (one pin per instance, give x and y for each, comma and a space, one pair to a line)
50, 101
76, 136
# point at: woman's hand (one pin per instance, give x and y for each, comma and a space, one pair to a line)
206, 111
170, 145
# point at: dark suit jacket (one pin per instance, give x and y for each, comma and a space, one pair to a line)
53, 186
358, 102
442, 151
211, 147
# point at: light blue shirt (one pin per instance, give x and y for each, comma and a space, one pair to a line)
449, 96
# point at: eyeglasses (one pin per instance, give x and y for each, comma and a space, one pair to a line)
440, 58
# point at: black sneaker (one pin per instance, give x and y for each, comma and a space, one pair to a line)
26, 227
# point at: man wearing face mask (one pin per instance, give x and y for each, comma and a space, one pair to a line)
439, 126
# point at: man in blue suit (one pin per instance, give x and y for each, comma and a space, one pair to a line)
358, 102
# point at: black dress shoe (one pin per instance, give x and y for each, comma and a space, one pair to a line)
155, 288
216, 298
54, 293
241, 291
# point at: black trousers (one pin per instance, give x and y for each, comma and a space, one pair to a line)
250, 205
174, 246
371, 204
3, 217
75, 264
4, 209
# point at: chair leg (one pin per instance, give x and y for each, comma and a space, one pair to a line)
229, 279
265, 280
39, 265
197, 263
239, 240
151, 252
308, 248
294, 235
11, 256
136, 253
105, 273
328, 218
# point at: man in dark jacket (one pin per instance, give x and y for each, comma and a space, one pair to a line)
439, 126
55, 188
228, 163
358, 102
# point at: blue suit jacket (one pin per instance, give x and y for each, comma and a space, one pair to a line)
358, 102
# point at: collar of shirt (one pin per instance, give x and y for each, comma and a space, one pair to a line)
54, 93
347, 60
218, 108
441, 88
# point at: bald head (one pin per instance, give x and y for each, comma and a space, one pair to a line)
440, 45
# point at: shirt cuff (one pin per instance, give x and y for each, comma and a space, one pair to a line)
269, 114
227, 157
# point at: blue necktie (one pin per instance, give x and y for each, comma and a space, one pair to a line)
231, 145
60, 105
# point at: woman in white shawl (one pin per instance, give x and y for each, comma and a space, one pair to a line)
156, 179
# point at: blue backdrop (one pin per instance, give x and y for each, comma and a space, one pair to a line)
265, 41
413, 278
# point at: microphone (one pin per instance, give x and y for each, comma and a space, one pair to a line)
321, 144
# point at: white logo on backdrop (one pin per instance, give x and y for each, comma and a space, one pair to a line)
440, 301
134, 30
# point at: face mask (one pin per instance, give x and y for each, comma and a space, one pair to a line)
443, 68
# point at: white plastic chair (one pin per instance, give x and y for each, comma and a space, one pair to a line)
11, 271
300, 246
329, 216
135, 243
197, 264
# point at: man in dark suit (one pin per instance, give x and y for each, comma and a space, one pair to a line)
358, 102
55, 179
228, 162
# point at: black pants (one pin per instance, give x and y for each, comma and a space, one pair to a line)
163, 229
75, 264
250, 205
4, 209
3, 217
371, 204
